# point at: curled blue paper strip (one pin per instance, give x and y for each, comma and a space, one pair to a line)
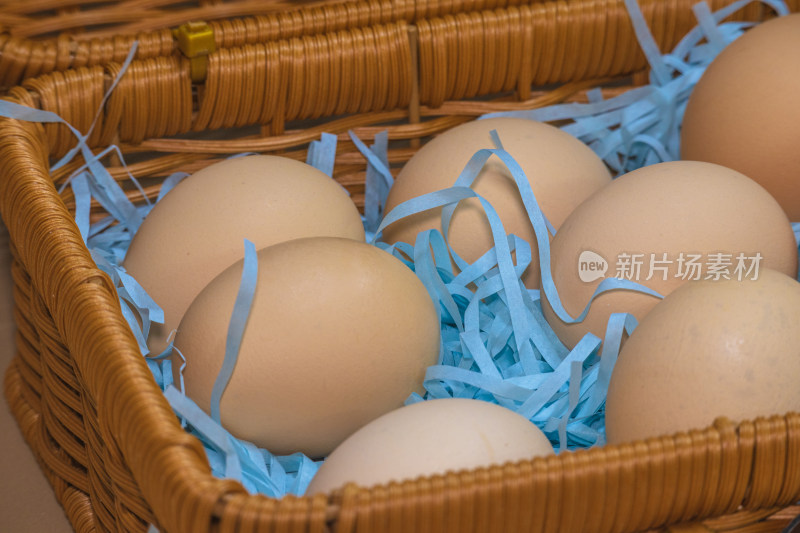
83, 204
236, 326
378, 179
257, 470
170, 183
642, 126
486, 355
322, 153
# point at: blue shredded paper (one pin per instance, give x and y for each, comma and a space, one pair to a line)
496, 344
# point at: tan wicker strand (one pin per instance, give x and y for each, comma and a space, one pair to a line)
401, 67
45, 89
123, 485
791, 475
595, 473
627, 486
768, 464
497, 41
74, 501
491, 489
566, 43
340, 74
129, 18
367, 521
711, 499
563, 516
193, 161
579, 42
16, 55
792, 480
294, 95
384, 68
28, 363
100, 496
739, 520
31, 379
691, 464
466, 43
22, 59
455, 519
747, 441
688, 460
439, 503
595, 38
38, 60
542, 36
269, 90
314, 76
428, 56
71, 50
54, 357
67, 405
637, 479
331, 70
459, 52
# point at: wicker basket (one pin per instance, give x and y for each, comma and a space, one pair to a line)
86, 401
44, 36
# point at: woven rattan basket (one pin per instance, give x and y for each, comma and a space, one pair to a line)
85, 400
54, 35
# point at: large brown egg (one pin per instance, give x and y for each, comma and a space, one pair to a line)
660, 226
197, 230
339, 333
562, 172
431, 437
711, 348
744, 112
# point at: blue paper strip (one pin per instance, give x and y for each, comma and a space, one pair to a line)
236, 327
322, 153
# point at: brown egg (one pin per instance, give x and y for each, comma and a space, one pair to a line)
711, 348
427, 438
339, 333
198, 229
665, 218
562, 172
744, 111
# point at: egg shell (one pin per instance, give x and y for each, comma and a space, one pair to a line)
743, 113
197, 230
680, 207
562, 172
427, 438
339, 333
711, 348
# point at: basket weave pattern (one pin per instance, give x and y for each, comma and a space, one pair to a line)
97, 33
84, 398
100, 33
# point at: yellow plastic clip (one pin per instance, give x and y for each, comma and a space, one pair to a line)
196, 41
